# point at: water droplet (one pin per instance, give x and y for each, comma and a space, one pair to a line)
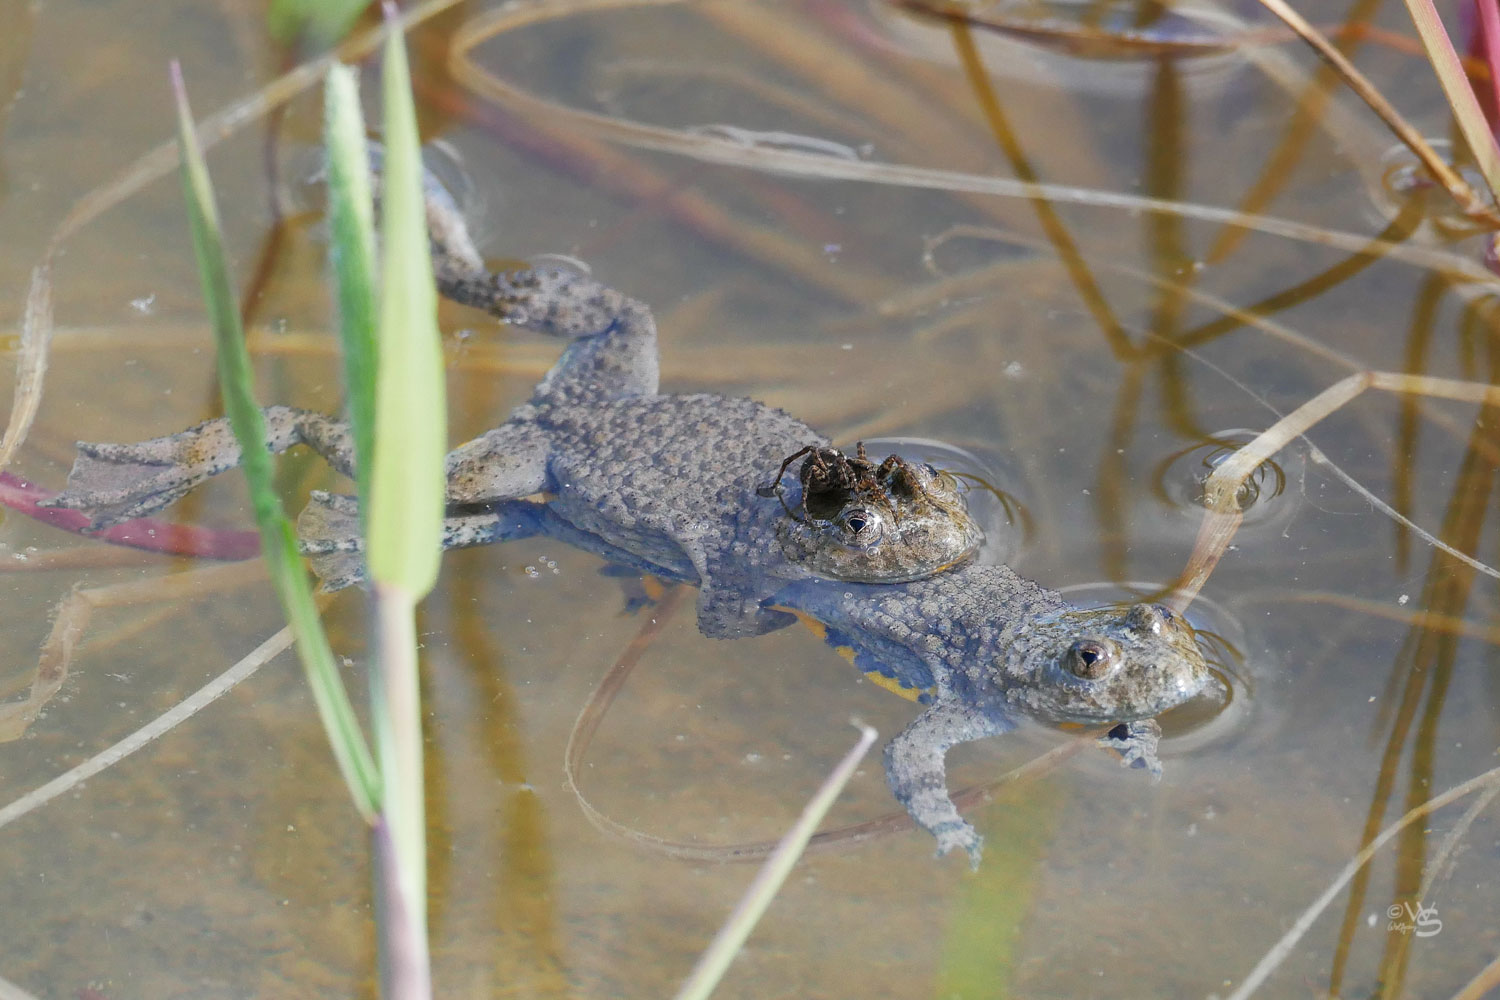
1182, 476
1405, 183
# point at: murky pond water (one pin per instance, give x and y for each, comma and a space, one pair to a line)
854, 264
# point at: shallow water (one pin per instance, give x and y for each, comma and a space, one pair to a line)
224, 860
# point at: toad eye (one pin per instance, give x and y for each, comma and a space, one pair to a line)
863, 526
1090, 659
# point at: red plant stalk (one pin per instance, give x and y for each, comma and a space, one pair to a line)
1485, 44
141, 533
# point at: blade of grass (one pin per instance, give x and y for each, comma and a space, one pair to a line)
10, 991
36, 335
406, 514
31, 362
173, 717
351, 224
277, 539
1485, 980
405, 525
1455, 82
1288, 942
982, 947
1470, 202
747, 913
400, 834
480, 81
323, 21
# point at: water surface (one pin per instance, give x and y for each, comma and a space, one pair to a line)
225, 861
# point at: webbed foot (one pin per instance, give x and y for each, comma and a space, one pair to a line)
639, 591
731, 612
1137, 743
916, 772
964, 836
329, 534
117, 482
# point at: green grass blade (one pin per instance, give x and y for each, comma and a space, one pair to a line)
277, 538
1435, 39
980, 949
401, 836
352, 246
323, 21
404, 540
406, 509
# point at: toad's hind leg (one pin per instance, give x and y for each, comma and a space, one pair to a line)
116, 482
506, 463
613, 351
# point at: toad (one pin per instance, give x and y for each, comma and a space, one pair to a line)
667, 484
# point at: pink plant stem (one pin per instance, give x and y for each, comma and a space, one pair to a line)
1488, 36
146, 533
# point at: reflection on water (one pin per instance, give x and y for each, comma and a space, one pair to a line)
1092, 350
17, 17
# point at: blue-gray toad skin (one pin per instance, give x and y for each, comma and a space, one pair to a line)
667, 484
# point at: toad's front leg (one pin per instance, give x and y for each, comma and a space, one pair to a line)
1137, 743
915, 769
